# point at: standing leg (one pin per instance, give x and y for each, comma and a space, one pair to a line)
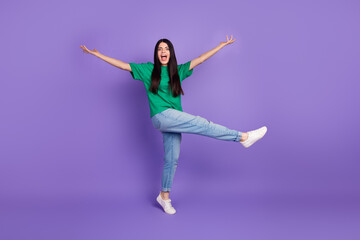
171, 155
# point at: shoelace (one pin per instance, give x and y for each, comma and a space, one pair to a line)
168, 204
256, 133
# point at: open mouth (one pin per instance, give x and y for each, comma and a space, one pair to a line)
163, 57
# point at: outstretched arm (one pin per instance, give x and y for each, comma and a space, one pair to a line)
112, 61
208, 54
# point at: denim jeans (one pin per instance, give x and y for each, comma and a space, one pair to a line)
171, 123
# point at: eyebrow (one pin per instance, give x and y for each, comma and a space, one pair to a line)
162, 47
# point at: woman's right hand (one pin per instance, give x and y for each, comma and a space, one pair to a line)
85, 50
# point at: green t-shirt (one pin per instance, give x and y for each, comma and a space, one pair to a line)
164, 98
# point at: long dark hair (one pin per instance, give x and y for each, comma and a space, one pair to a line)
174, 83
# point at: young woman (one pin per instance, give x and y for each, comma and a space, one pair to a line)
162, 80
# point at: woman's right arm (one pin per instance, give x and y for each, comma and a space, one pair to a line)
112, 61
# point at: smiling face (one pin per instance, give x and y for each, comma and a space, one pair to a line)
163, 53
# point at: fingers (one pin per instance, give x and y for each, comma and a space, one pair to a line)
231, 40
85, 50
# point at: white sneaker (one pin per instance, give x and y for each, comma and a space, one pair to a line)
253, 136
166, 205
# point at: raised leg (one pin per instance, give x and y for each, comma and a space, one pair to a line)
172, 120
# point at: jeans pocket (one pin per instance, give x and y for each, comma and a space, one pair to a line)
155, 122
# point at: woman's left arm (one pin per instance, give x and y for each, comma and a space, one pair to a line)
205, 56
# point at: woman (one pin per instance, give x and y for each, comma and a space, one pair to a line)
163, 87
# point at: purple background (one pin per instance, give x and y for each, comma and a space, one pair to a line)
80, 158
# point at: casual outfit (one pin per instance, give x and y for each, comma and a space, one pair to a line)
168, 117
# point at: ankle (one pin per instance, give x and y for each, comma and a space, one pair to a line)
244, 137
164, 195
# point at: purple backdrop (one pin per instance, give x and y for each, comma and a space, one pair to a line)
80, 158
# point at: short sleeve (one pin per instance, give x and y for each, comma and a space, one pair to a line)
184, 71
141, 71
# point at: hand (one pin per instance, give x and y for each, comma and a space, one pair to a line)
228, 41
93, 52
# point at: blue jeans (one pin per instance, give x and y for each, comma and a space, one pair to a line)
171, 123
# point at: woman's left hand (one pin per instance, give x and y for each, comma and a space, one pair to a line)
229, 41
